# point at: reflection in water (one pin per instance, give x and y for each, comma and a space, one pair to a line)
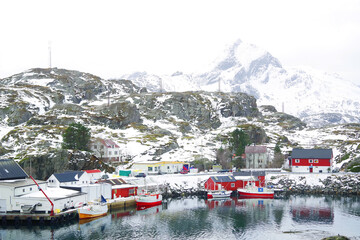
297, 217
314, 209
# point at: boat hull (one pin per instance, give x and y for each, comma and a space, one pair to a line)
148, 200
255, 195
88, 212
218, 195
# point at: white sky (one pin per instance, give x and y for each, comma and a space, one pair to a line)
113, 37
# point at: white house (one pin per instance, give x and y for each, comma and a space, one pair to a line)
105, 149
152, 167
69, 178
94, 174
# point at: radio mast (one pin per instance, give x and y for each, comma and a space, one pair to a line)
49, 43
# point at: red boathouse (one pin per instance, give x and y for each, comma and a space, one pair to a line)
221, 183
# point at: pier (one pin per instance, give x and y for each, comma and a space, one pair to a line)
19, 219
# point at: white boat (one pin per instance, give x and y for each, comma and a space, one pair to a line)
148, 199
253, 191
93, 210
219, 194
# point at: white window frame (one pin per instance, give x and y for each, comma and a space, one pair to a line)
297, 160
311, 160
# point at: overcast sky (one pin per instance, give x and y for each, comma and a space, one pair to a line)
110, 38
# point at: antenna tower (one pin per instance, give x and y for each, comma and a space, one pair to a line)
49, 54
161, 85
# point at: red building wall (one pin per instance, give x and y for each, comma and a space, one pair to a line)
305, 162
123, 192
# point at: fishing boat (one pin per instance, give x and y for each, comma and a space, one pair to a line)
148, 199
93, 210
253, 191
218, 194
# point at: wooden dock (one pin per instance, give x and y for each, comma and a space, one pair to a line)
121, 203
19, 219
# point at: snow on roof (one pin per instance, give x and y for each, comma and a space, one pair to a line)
108, 143
223, 179
255, 149
52, 193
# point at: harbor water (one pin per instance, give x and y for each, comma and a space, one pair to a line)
295, 217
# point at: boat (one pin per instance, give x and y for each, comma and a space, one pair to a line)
148, 199
93, 210
218, 194
253, 191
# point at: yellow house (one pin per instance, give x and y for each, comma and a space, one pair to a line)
152, 167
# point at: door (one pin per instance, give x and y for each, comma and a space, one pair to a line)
311, 169
3, 205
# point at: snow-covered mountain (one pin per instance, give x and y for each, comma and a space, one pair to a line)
315, 97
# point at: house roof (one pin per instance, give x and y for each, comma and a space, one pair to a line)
107, 143
223, 179
115, 181
255, 149
20, 182
70, 176
249, 173
9, 169
312, 153
93, 171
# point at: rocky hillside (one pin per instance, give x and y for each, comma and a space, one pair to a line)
37, 105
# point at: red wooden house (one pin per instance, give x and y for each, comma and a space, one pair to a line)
221, 183
119, 188
311, 160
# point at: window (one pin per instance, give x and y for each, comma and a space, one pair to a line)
297, 160
232, 184
31, 189
168, 167
23, 189
131, 191
95, 146
316, 160
102, 146
116, 153
311, 160
155, 169
150, 169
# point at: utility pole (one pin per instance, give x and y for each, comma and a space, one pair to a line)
49, 47
161, 85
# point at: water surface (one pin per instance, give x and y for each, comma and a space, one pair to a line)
297, 217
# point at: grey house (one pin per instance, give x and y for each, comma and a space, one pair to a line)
256, 157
